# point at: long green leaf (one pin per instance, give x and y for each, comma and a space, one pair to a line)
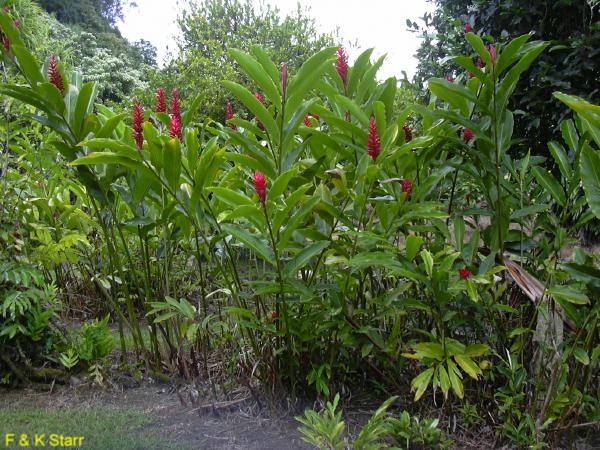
589, 164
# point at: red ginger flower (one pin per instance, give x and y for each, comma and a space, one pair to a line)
492, 51
467, 135
17, 23
175, 130
467, 28
274, 315
260, 97
5, 43
138, 120
54, 75
229, 114
464, 273
407, 186
161, 107
479, 63
284, 78
450, 79
175, 111
407, 133
373, 144
260, 186
341, 65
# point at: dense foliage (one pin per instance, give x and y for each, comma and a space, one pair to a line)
572, 27
306, 235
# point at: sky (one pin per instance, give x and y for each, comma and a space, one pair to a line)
380, 24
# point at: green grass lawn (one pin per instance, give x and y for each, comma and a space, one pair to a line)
101, 428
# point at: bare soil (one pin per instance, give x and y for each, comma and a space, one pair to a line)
242, 426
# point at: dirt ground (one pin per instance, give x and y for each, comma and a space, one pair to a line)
242, 426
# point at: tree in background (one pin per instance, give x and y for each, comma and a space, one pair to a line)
96, 15
571, 64
209, 28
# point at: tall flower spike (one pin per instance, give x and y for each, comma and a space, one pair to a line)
229, 114
341, 66
175, 129
492, 51
54, 75
373, 144
138, 120
175, 111
407, 133
260, 186
284, 79
161, 107
464, 274
406, 186
467, 135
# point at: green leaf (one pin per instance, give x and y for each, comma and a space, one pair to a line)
85, 101
231, 197
589, 164
302, 258
364, 260
581, 356
105, 158
420, 383
255, 107
561, 158
549, 183
468, 365
295, 222
455, 379
258, 74
529, 211
568, 294
427, 261
28, 64
477, 44
252, 242
432, 350
475, 350
444, 380
413, 244
355, 110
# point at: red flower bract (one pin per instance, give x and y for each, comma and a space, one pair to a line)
260, 186
284, 79
5, 43
161, 107
407, 133
492, 51
450, 79
229, 114
260, 97
307, 120
467, 28
274, 315
341, 66
407, 186
175, 111
373, 144
464, 273
54, 75
175, 129
467, 134
138, 120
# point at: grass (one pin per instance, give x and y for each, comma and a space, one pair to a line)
101, 428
